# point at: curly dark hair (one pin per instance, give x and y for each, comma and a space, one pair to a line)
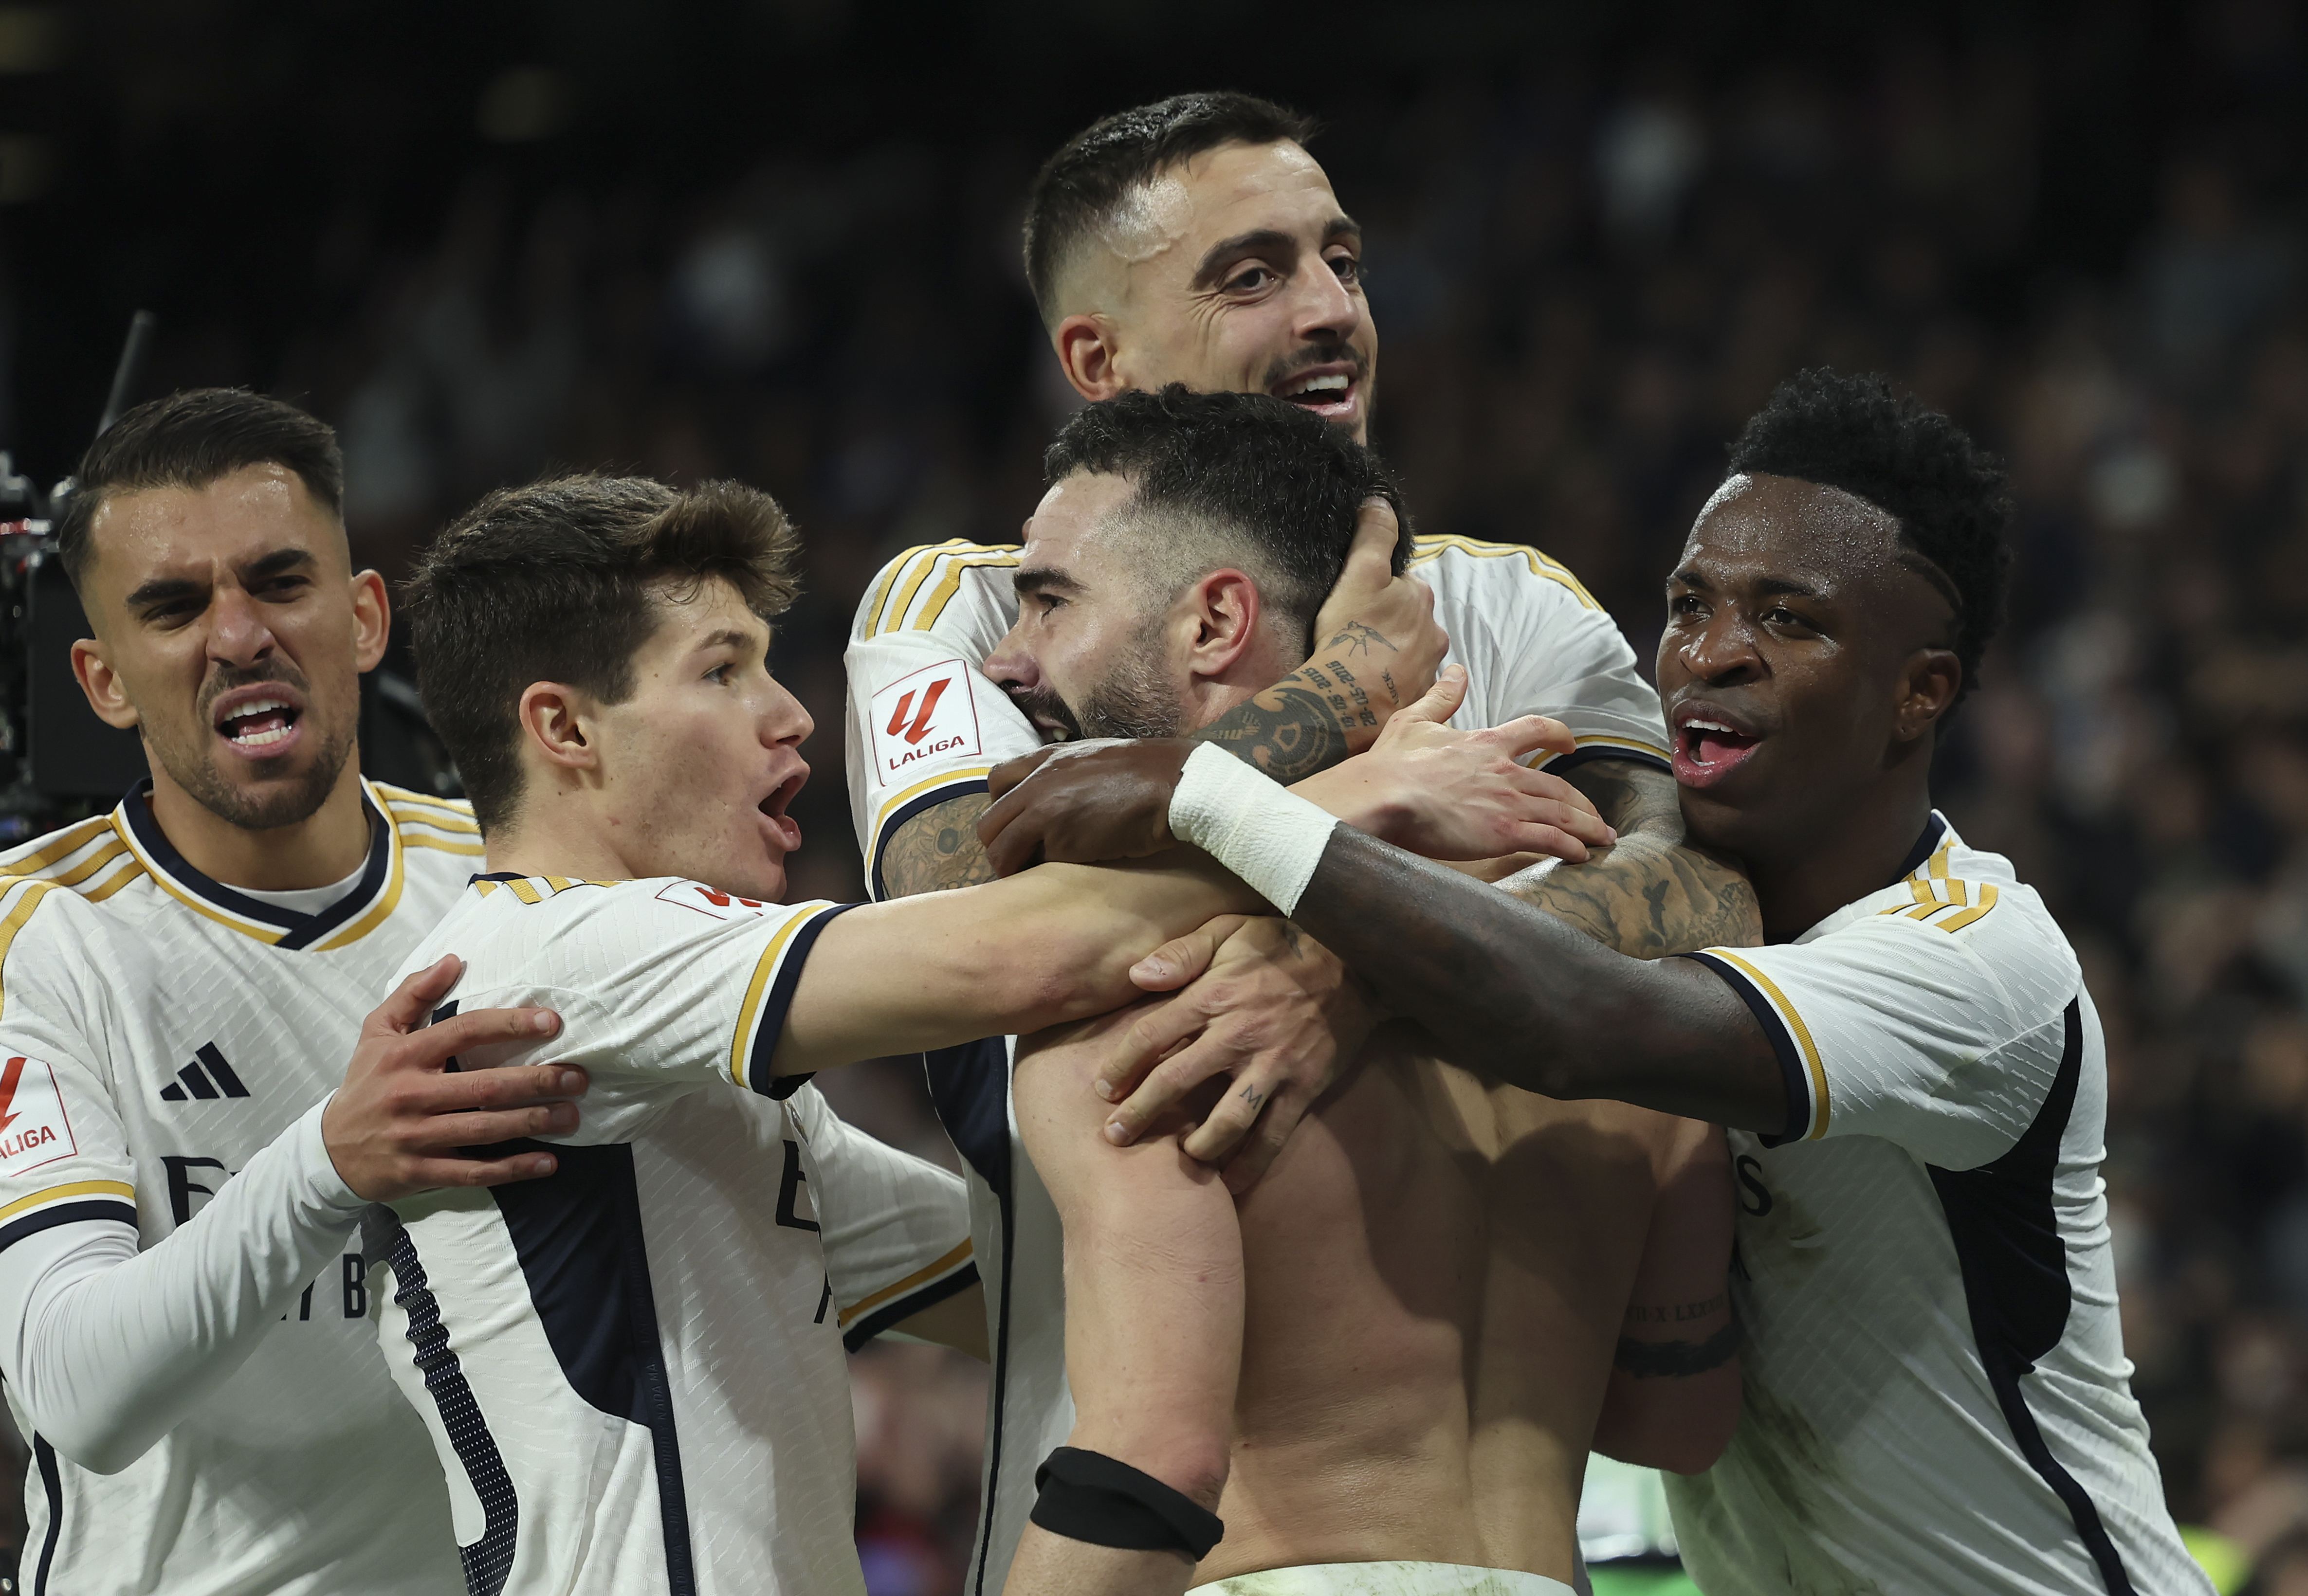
1950, 497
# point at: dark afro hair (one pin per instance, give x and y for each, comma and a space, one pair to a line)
1951, 497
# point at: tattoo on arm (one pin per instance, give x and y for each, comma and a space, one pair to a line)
1307, 721
1678, 1360
1676, 1313
937, 849
1650, 894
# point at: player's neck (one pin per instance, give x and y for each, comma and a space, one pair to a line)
320, 850
1816, 869
540, 846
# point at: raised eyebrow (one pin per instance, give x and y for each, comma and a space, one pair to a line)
1223, 253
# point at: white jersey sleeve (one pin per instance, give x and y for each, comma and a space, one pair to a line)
107, 1347
1536, 642
895, 1228
1932, 1015
661, 984
924, 724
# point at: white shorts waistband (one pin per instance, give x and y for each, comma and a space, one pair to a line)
1386, 1579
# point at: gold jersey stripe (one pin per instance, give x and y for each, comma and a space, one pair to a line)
1425, 548
1956, 922
1802, 1034
113, 882
456, 807
75, 837
920, 562
119, 1188
26, 902
934, 605
439, 820
919, 1277
378, 913
524, 891
472, 850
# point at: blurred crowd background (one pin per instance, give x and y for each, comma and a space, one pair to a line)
776, 240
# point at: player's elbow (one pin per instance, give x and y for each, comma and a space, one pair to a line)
1681, 1426
104, 1437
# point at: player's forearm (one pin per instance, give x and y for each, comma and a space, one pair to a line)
1326, 710
107, 1347
1516, 994
937, 850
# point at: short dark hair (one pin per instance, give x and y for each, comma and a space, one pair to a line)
1254, 474
188, 440
554, 582
1077, 189
1951, 498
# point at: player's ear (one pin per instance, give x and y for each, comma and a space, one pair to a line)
1225, 608
1086, 354
1927, 687
101, 684
551, 727
372, 619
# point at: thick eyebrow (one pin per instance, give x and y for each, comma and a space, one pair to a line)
729, 637
1036, 579
1226, 251
1691, 576
162, 589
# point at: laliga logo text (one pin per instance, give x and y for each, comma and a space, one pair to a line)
908, 727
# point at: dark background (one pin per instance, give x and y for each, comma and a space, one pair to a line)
777, 241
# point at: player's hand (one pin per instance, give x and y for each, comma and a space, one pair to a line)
396, 1126
1451, 794
1082, 803
1378, 628
1261, 1002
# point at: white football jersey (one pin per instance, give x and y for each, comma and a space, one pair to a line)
159, 1030
632, 1370
1937, 1397
925, 724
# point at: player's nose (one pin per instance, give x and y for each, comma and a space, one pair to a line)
1012, 663
237, 632
1725, 650
1323, 307
784, 719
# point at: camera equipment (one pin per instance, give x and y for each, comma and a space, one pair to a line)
57, 760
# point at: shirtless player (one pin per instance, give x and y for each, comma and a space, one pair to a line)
1426, 1291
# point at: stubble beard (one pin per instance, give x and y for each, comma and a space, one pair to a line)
276, 806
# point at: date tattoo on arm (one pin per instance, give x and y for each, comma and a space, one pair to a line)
1316, 716
938, 849
1650, 894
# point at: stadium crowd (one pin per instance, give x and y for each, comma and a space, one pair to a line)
1586, 282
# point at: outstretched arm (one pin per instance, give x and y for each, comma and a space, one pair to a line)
1154, 1305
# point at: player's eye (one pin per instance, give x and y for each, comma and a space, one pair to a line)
1349, 270
1250, 280
722, 673
1686, 604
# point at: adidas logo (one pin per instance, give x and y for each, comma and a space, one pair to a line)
217, 1080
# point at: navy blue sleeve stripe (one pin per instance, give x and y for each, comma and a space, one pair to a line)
878, 889
1593, 752
32, 1224
771, 1023
1791, 1066
890, 1314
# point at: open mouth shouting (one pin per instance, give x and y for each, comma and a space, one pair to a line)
261, 721
784, 832
1710, 743
1330, 391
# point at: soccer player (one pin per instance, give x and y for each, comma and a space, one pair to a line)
1196, 241
1410, 1341
632, 1369
1936, 1393
182, 1306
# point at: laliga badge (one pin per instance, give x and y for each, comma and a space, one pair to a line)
708, 900
919, 718
33, 1129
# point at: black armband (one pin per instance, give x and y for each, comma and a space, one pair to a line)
1088, 1496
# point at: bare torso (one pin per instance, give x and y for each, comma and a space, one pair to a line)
1436, 1272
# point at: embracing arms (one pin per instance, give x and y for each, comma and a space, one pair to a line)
1503, 986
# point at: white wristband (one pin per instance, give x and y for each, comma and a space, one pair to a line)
1267, 835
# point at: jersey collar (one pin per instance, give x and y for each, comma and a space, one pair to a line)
1936, 831
349, 919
